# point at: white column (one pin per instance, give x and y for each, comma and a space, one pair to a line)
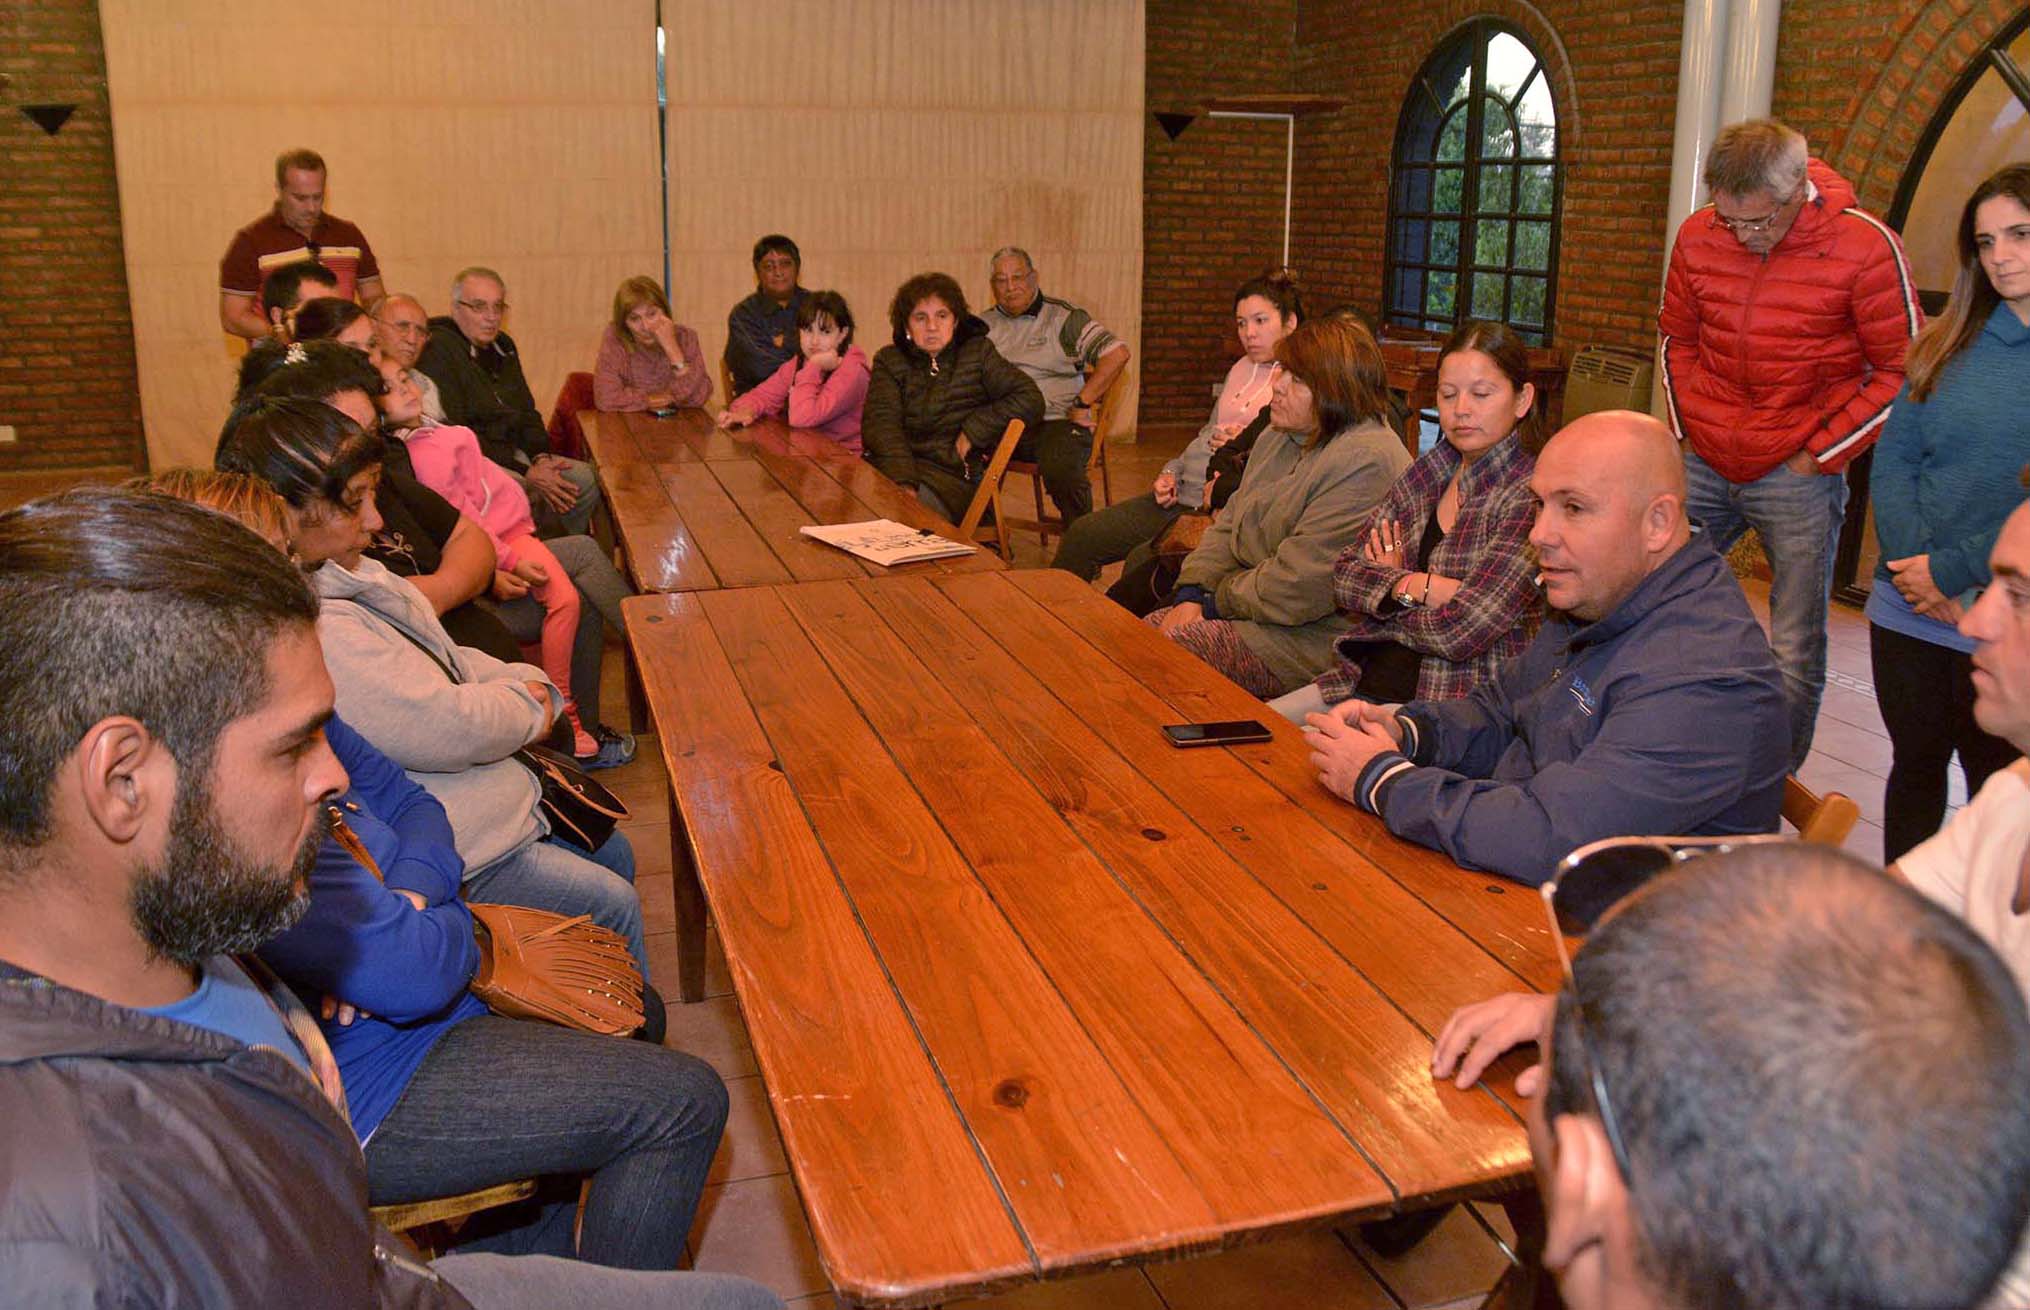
1751, 60
1700, 61
1700, 56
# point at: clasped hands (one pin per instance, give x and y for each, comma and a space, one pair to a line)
1912, 576
1344, 738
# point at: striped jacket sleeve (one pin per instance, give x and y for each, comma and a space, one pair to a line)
1886, 317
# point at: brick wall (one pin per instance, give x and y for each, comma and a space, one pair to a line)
1863, 78
1212, 206
1613, 72
67, 379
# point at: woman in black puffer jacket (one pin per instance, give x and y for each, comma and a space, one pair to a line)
941, 396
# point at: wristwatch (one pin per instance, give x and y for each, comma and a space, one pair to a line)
1402, 593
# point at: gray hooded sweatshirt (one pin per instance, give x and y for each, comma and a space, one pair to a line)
387, 654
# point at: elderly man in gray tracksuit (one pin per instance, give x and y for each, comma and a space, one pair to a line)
1648, 703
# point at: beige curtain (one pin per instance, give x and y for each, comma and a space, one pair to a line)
519, 134
892, 136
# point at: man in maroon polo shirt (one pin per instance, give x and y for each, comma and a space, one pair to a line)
296, 229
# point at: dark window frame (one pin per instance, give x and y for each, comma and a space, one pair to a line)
1412, 229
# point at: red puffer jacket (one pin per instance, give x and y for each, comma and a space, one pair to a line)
1801, 349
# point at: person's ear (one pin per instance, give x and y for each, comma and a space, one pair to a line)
1585, 1196
125, 777
1525, 398
1660, 519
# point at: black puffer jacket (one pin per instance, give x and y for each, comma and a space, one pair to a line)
918, 405
147, 1162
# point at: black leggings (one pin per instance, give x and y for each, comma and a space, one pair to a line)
1926, 694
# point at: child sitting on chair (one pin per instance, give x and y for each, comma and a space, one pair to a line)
448, 461
824, 386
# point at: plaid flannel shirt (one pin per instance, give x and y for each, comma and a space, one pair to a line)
1496, 609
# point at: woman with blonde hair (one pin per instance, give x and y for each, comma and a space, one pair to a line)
1944, 479
648, 360
1255, 599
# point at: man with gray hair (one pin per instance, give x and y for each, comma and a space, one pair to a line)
1072, 359
402, 327
1786, 312
478, 373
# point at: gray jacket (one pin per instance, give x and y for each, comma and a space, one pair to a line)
150, 1163
388, 654
1267, 559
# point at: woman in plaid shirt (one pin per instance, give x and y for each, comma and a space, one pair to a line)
1441, 589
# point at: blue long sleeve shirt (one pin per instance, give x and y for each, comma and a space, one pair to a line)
1945, 473
361, 941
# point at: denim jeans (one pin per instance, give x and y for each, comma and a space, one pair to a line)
552, 874
499, 1099
494, 1282
1797, 516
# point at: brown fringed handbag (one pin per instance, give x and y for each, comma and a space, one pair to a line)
537, 964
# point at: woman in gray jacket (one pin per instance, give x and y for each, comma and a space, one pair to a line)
451, 716
1255, 599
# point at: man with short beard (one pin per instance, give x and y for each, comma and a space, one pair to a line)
171, 1129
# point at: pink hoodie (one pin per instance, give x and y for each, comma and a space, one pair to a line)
449, 462
828, 402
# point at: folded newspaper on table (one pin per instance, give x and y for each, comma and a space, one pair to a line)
886, 542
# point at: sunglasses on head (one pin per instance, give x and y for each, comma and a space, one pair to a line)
1593, 880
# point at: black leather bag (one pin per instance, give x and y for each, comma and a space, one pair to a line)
580, 808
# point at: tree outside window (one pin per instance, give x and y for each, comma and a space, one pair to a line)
1473, 198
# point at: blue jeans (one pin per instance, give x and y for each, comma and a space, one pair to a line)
498, 1099
494, 1282
1797, 516
552, 874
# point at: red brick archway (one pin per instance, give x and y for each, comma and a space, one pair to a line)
1917, 67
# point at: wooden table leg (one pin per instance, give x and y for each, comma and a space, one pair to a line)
637, 699
689, 899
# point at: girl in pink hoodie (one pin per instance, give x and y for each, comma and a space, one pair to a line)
449, 462
824, 386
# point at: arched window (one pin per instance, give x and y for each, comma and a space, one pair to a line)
1473, 200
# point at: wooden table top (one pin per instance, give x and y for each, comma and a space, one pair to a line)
1032, 991
698, 507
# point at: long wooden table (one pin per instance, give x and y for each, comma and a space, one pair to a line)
1033, 992
698, 507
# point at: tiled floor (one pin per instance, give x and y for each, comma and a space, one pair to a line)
751, 1223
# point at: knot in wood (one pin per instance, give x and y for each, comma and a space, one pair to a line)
1154, 834
1011, 1094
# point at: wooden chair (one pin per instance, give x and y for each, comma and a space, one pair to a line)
444, 1214
1824, 819
1046, 525
725, 381
989, 494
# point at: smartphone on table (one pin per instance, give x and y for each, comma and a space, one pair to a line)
1231, 732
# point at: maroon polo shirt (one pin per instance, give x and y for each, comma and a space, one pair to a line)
268, 243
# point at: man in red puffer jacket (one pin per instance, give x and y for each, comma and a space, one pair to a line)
1786, 313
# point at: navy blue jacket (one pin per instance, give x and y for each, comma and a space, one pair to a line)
1666, 717
409, 970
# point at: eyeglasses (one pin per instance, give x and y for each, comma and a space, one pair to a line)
1753, 227
485, 308
1588, 883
